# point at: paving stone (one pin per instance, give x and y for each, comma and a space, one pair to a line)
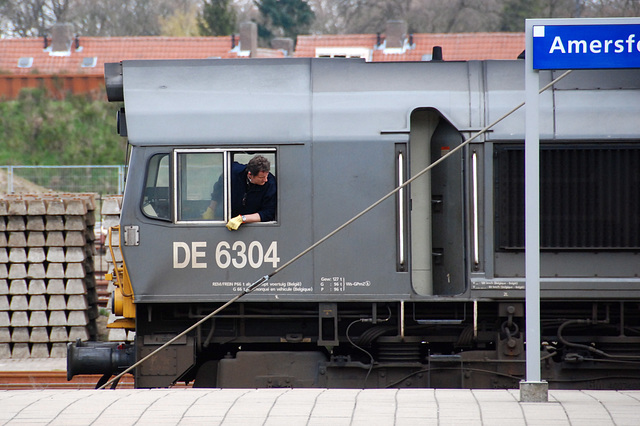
17, 271
18, 287
75, 286
117, 255
38, 319
16, 223
37, 287
111, 205
40, 350
56, 286
17, 208
57, 302
36, 255
4, 319
58, 350
3, 239
5, 335
36, 271
3, 223
54, 223
4, 287
76, 333
110, 220
19, 303
78, 318
17, 239
35, 223
37, 303
57, 318
39, 335
76, 207
59, 334
20, 351
19, 319
5, 351
36, 239
77, 303
117, 334
36, 207
55, 206
4, 303
54, 239
74, 270
74, 223
75, 254
20, 335
55, 254
75, 239
18, 255
55, 270
4, 207
4, 258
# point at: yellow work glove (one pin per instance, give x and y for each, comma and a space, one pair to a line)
208, 214
234, 223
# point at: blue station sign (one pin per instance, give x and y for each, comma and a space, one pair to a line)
557, 47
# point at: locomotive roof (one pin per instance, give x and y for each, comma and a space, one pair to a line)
271, 101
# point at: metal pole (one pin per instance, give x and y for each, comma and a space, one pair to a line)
533, 389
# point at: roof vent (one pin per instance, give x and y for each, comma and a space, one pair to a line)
89, 62
25, 62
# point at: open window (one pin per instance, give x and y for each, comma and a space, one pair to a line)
208, 181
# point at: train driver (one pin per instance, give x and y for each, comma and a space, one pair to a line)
253, 193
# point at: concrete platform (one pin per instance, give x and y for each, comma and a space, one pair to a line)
333, 407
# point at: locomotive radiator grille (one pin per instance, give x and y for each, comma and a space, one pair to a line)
589, 197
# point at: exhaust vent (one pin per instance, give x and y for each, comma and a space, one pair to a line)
589, 197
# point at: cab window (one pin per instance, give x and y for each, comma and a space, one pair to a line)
207, 183
156, 197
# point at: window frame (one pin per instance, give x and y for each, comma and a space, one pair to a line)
228, 158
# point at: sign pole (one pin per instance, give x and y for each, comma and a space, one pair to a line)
532, 389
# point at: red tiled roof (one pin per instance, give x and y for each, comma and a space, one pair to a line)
455, 47
113, 49
464, 46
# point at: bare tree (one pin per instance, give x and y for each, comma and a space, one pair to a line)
32, 18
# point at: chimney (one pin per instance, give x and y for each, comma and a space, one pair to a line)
395, 34
283, 43
249, 38
61, 38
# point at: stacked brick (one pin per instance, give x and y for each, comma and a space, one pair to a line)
47, 285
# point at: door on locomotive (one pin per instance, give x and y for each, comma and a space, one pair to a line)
437, 208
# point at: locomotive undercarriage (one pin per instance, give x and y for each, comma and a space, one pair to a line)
585, 345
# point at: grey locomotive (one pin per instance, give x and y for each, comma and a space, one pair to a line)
426, 289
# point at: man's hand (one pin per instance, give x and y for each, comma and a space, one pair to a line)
234, 223
208, 214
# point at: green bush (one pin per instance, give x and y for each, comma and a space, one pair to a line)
78, 130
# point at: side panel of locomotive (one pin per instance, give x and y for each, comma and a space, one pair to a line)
430, 280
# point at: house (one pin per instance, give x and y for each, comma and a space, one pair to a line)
66, 62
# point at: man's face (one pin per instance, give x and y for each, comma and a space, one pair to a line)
259, 179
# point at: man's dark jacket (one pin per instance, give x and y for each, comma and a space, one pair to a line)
247, 198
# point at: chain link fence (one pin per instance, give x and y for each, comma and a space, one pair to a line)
101, 180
